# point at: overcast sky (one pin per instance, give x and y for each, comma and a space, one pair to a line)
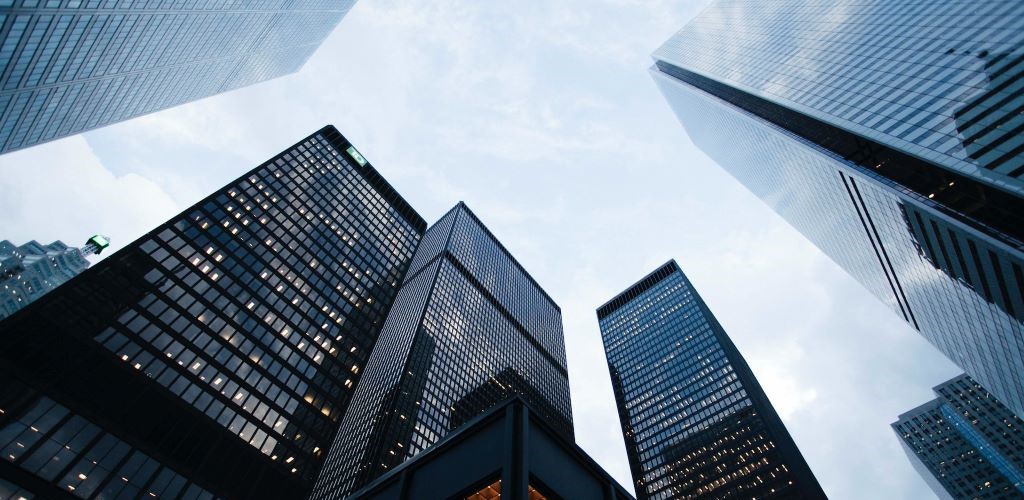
541, 116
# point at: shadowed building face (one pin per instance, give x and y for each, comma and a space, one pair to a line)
469, 328
217, 352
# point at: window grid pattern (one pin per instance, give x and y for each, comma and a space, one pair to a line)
941, 80
449, 350
68, 66
268, 299
505, 280
691, 426
252, 314
961, 288
28, 271
75, 455
14, 492
967, 443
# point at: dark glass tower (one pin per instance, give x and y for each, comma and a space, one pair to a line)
696, 422
469, 329
217, 353
68, 66
965, 443
889, 134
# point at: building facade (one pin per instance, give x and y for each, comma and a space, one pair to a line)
965, 443
696, 422
469, 329
29, 271
214, 356
508, 452
889, 134
68, 66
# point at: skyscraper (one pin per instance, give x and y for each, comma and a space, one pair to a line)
965, 443
695, 421
889, 134
29, 271
216, 354
469, 328
68, 66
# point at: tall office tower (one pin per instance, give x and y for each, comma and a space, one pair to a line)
29, 271
68, 66
965, 443
888, 133
469, 329
215, 355
696, 422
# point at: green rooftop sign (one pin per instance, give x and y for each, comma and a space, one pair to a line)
356, 156
101, 242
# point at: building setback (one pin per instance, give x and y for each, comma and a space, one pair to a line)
513, 453
68, 66
469, 329
889, 134
214, 356
965, 443
696, 422
29, 271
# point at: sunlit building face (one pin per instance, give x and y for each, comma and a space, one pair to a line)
889, 134
68, 66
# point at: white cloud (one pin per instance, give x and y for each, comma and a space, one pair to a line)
213, 127
541, 116
61, 191
789, 393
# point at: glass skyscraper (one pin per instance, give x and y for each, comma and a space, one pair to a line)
68, 66
965, 443
215, 355
889, 133
696, 422
469, 329
29, 271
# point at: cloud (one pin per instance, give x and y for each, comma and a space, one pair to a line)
61, 191
542, 117
790, 393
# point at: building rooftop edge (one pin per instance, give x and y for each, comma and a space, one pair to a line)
930, 403
374, 177
501, 246
951, 380
917, 410
638, 287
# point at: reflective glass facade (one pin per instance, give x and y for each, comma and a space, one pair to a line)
965, 443
938, 79
28, 271
225, 344
469, 328
67, 66
696, 422
843, 117
55, 453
